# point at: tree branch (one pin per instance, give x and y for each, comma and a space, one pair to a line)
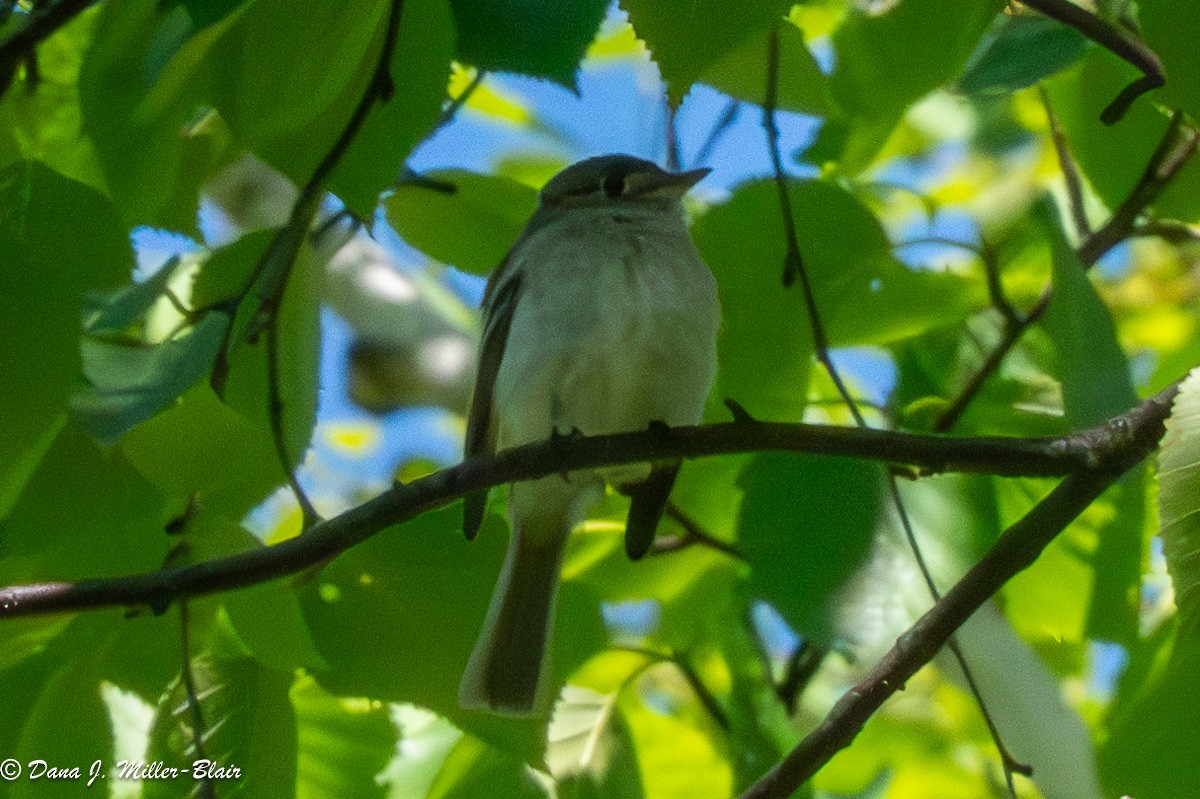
1177, 145
269, 278
1016, 549
1099, 449
41, 23
1117, 41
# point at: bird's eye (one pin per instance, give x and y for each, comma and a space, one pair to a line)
614, 186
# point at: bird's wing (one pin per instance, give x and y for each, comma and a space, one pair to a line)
499, 302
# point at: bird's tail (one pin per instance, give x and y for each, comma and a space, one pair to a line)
507, 672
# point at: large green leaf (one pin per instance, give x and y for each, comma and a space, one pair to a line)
58, 239
143, 94
863, 294
1179, 495
885, 62
1019, 51
129, 382
1160, 732
1167, 25
471, 226
249, 728
1096, 385
742, 73
428, 588
804, 526
1113, 157
52, 534
1092, 367
545, 40
684, 40
289, 87
343, 744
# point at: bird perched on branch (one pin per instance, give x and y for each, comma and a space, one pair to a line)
603, 318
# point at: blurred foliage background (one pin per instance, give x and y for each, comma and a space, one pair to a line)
171, 272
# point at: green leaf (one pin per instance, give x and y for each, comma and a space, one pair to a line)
684, 40
1092, 367
293, 122
343, 744
471, 227
883, 65
1113, 157
428, 587
1179, 495
742, 73
279, 70
250, 726
420, 69
1019, 51
202, 447
59, 240
42, 118
475, 770
680, 751
589, 751
143, 92
1167, 26
799, 512
117, 312
51, 534
546, 40
131, 382
1144, 753
863, 294
1096, 385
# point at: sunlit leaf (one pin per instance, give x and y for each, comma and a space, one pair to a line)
683, 40
342, 744
244, 705
1179, 490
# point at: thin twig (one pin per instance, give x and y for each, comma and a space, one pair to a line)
693, 534
308, 513
1174, 149
795, 265
680, 662
1068, 167
718, 130
1117, 41
40, 23
267, 285
1015, 550
199, 727
1098, 448
793, 262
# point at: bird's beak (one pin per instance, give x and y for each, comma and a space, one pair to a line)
667, 183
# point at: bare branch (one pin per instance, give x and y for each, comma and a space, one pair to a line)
1016, 549
1117, 41
1177, 145
1095, 449
40, 24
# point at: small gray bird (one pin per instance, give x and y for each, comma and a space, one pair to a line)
603, 318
